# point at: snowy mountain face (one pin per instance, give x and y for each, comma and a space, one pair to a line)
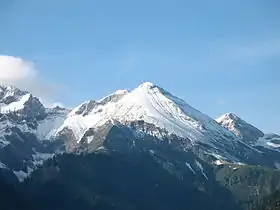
159, 116
24, 124
271, 141
20, 105
148, 119
148, 103
248, 133
240, 128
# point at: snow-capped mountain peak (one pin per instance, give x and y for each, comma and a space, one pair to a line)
240, 127
228, 116
19, 104
114, 97
149, 103
9, 94
19, 108
229, 121
16, 105
121, 92
146, 85
147, 117
248, 133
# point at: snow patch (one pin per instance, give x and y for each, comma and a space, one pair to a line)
239, 163
3, 142
21, 175
269, 141
39, 158
277, 165
75, 123
201, 168
17, 105
48, 126
219, 162
101, 148
90, 139
190, 167
120, 92
152, 152
2, 165
4, 125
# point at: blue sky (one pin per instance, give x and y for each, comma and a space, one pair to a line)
219, 56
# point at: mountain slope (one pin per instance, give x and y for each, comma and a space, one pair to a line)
248, 133
168, 115
23, 130
117, 182
149, 103
147, 114
185, 147
240, 128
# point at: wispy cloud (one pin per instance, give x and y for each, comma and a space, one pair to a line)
248, 54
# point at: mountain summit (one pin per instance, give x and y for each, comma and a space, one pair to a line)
150, 111
242, 129
248, 133
149, 103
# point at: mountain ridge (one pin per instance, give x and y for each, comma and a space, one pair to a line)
249, 133
146, 114
146, 123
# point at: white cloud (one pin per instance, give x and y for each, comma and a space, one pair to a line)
24, 75
16, 70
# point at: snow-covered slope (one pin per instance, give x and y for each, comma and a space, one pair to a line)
239, 127
24, 124
22, 110
248, 133
148, 118
10, 94
269, 141
149, 103
55, 117
163, 115
16, 105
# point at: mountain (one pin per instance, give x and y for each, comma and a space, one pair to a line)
150, 111
118, 182
24, 126
146, 125
148, 117
247, 132
269, 144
